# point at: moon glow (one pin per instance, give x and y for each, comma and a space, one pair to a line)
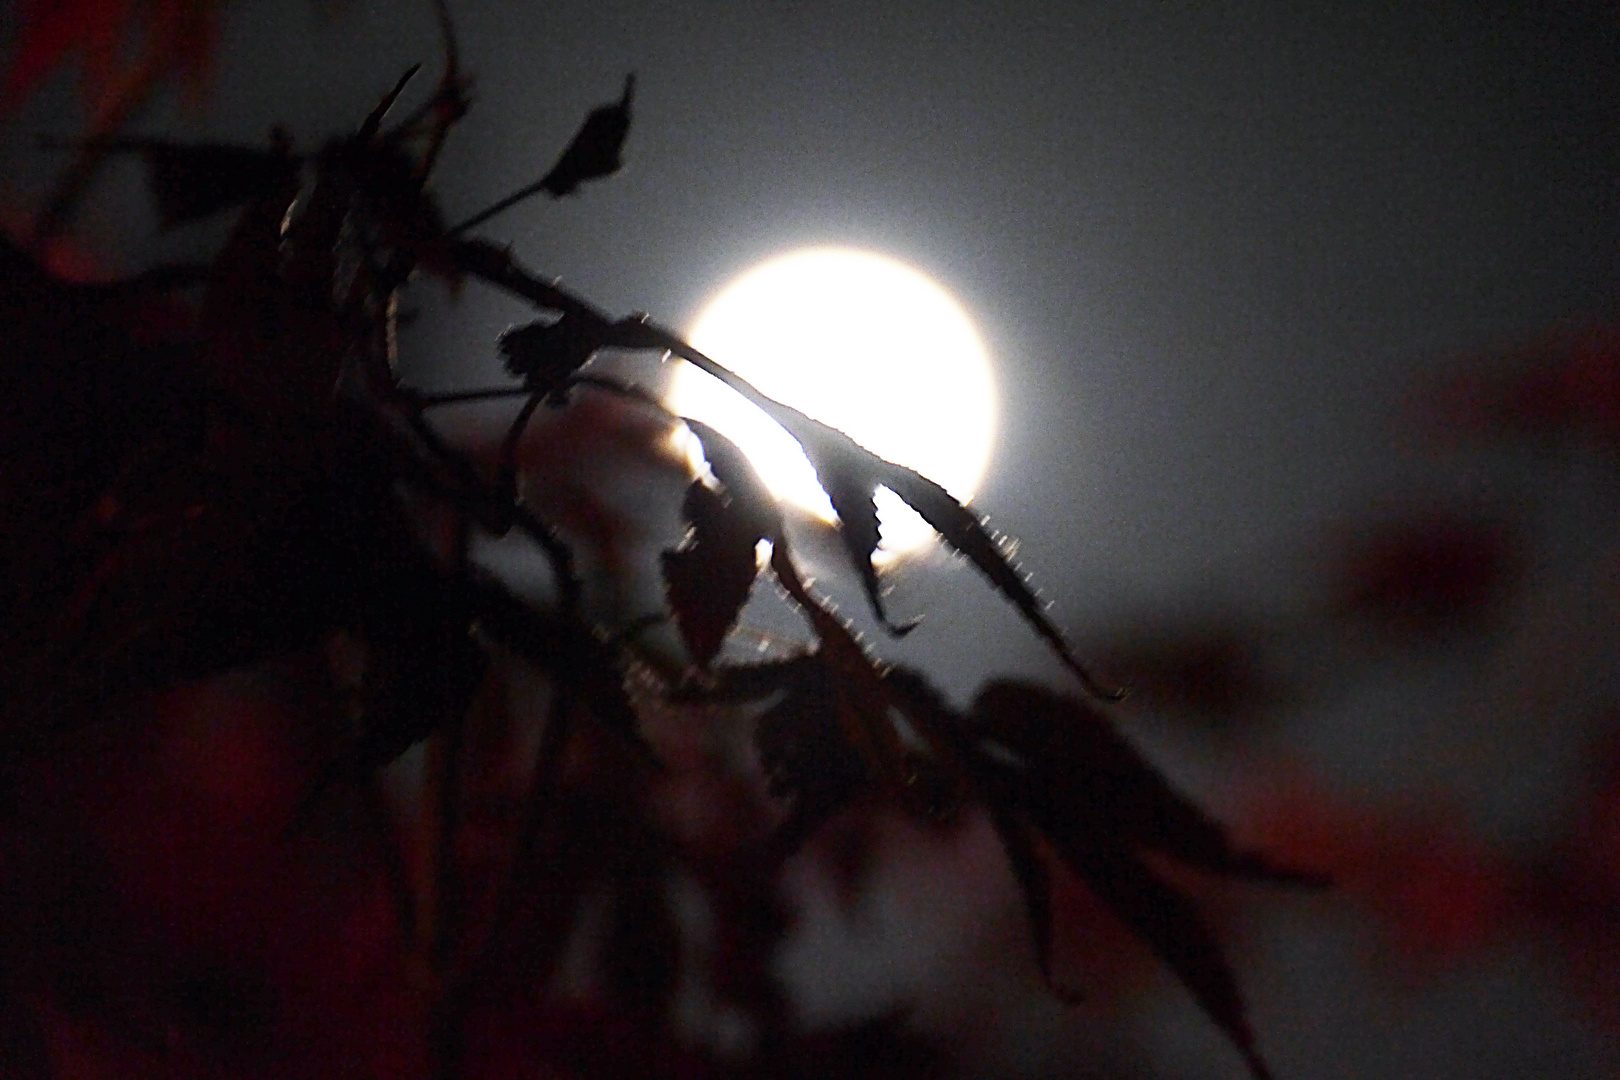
863, 343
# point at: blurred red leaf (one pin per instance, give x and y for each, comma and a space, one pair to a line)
1212, 670
1443, 894
1425, 574
173, 37
1568, 384
1574, 892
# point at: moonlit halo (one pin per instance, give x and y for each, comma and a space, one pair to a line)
859, 341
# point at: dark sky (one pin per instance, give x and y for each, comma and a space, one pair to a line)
1212, 247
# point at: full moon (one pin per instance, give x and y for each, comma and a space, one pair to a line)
863, 343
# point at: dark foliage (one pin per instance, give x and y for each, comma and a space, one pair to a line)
255, 489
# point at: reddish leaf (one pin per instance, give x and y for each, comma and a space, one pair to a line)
866, 702
710, 576
1211, 670
1569, 384
1442, 893
708, 579
1426, 574
1153, 909
175, 36
1167, 922
1054, 764
51, 30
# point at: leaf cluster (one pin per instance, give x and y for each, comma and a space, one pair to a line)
258, 485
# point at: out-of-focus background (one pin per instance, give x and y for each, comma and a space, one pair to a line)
1303, 319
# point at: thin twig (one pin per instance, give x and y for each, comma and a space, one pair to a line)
526, 192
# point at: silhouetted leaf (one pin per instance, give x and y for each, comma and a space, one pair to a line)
862, 703
272, 342
965, 531
594, 151
850, 474
1018, 840
1088, 784
709, 577
833, 730
1167, 922
396, 211
807, 760
1153, 910
416, 620
740, 479
545, 353
1057, 763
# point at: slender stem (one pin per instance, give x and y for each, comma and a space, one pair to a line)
488, 212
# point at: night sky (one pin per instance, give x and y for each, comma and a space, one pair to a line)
1216, 251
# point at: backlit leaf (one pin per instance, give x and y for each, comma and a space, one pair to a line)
595, 148
709, 577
